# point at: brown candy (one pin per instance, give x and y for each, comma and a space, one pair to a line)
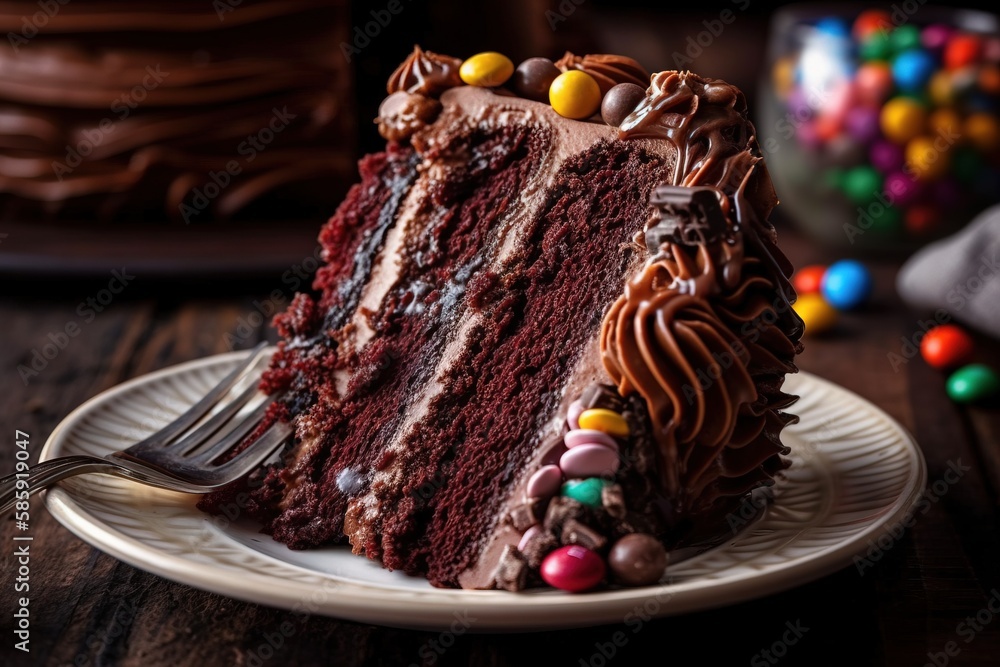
638, 559
620, 102
403, 114
533, 77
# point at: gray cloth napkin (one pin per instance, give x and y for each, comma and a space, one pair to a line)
959, 274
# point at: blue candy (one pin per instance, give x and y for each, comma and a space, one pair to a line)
846, 284
912, 69
833, 26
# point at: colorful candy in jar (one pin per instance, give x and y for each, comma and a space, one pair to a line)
906, 116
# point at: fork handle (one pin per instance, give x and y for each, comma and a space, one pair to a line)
45, 474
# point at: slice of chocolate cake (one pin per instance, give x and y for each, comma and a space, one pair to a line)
543, 350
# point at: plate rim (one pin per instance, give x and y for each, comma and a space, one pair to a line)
433, 609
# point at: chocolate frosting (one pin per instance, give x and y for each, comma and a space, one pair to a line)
607, 69
425, 73
705, 331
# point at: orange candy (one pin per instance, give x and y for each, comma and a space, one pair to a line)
946, 346
808, 279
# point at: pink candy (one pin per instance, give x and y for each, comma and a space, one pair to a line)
545, 482
589, 461
527, 537
573, 414
573, 568
589, 437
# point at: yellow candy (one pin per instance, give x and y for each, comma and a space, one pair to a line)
606, 421
816, 313
982, 131
575, 94
488, 70
926, 161
902, 119
940, 88
945, 123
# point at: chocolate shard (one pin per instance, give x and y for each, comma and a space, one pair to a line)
686, 216
512, 570
576, 532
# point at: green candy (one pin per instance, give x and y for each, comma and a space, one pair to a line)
973, 383
905, 37
877, 46
584, 491
862, 184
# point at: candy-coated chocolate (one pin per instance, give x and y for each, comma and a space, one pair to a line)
876, 46
572, 568
488, 69
589, 461
638, 559
924, 160
584, 491
584, 436
902, 119
573, 414
529, 535
947, 346
961, 50
808, 279
846, 284
905, 37
869, 21
607, 421
862, 123
886, 156
817, 315
973, 383
935, 36
982, 131
545, 482
922, 219
620, 101
833, 25
912, 69
873, 82
862, 184
941, 88
533, 77
575, 94
902, 187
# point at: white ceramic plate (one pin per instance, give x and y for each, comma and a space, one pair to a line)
855, 473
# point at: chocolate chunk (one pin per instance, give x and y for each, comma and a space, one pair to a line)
538, 547
401, 115
620, 102
574, 532
637, 560
512, 571
524, 516
602, 396
560, 510
533, 77
613, 500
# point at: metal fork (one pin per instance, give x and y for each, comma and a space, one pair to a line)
182, 455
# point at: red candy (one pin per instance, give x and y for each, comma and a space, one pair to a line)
868, 22
808, 279
962, 50
946, 346
573, 568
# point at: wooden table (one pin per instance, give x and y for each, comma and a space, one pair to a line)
90, 609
